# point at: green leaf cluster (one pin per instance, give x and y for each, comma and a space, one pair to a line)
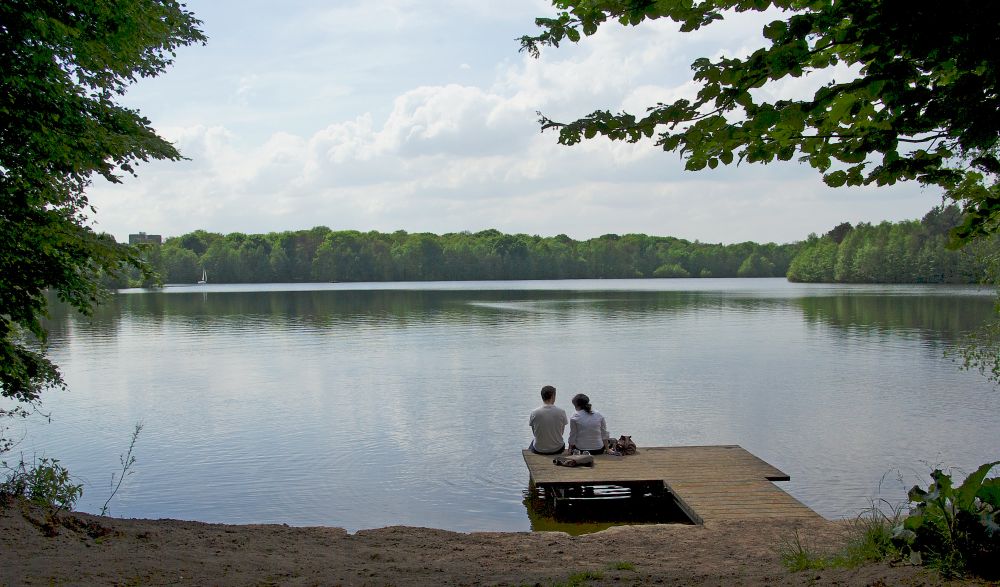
63, 66
955, 529
922, 104
44, 482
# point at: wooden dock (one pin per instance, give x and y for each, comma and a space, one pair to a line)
708, 483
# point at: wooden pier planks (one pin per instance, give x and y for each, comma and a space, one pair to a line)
709, 482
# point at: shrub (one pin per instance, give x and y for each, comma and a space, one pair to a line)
45, 482
955, 530
671, 270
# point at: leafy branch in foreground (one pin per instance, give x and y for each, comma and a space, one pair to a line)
922, 103
63, 65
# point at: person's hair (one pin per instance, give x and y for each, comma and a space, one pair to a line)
582, 402
548, 392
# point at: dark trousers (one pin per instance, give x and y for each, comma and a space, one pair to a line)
538, 452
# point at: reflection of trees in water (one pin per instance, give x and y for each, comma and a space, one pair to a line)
933, 317
391, 307
938, 316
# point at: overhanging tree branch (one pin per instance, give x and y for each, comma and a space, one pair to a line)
926, 76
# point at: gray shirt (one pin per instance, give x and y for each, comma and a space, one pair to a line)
547, 424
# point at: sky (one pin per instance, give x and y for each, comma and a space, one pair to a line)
422, 116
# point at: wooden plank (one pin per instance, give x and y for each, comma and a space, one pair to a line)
709, 463
758, 499
706, 482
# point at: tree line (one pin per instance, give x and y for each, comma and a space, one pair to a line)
324, 255
894, 252
890, 252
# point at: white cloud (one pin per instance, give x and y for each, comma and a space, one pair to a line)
446, 155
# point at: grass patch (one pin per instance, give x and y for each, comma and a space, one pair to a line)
871, 535
870, 542
621, 566
797, 556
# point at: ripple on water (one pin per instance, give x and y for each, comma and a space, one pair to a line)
364, 408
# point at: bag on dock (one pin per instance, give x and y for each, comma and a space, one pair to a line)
586, 460
625, 446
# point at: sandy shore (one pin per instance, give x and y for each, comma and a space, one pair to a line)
91, 550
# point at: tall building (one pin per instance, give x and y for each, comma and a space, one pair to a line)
143, 238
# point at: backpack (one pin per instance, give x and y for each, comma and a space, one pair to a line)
625, 446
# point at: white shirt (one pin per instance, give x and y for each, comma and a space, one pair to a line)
587, 431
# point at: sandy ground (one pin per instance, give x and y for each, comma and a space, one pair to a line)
91, 550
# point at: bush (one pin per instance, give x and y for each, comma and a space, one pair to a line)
955, 530
671, 270
46, 483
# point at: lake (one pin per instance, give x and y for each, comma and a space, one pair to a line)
365, 405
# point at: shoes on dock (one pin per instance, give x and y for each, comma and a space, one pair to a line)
585, 459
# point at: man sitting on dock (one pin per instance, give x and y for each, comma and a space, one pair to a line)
548, 423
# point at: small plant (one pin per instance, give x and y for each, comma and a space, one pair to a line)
954, 530
45, 483
796, 556
872, 535
871, 540
621, 566
127, 460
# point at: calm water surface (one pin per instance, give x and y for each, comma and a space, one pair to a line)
364, 405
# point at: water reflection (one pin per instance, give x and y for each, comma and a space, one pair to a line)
932, 317
589, 509
366, 407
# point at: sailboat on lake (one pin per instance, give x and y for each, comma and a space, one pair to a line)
204, 277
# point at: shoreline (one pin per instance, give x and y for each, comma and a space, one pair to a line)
93, 550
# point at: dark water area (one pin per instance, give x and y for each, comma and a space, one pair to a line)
364, 405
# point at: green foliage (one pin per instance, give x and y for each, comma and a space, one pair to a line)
671, 270
44, 482
796, 556
320, 254
890, 252
815, 262
870, 540
979, 350
63, 65
955, 529
921, 103
895, 252
621, 566
872, 536
756, 266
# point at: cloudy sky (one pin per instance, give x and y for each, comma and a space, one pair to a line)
421, 115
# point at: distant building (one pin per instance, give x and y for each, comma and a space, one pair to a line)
143, 238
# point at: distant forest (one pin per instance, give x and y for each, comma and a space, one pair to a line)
903, 252
894, 252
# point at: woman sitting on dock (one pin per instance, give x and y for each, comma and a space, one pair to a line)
587, 429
